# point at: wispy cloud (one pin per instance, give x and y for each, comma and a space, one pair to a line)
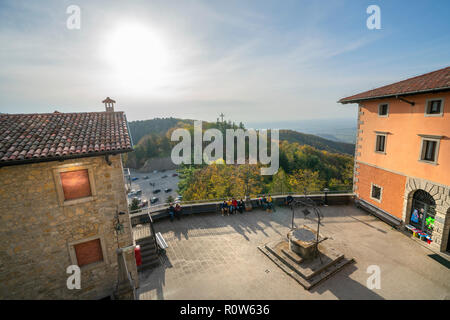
259, 60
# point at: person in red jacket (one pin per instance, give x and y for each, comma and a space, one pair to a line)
234, 204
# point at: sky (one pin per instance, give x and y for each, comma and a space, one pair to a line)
252, 60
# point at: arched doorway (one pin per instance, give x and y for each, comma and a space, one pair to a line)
423, 211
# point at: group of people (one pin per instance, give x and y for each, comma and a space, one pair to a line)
174, 211
232, 206
266, 203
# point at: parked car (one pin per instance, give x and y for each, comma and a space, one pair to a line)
145, 178
155, 171
167, 190
138, 192
132, 193
174, 174
156, 190
154, 199
134, 178
164, 176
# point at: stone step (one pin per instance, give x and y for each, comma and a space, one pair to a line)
150, 257
304, 268
148, 265
148, 251
148, 241
292, 255
306, 283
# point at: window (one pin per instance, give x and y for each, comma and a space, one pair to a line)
434, 107
380, 144
429, 150
375, 192
88, 252
383, 110
75, 184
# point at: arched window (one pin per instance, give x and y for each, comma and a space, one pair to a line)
423, 211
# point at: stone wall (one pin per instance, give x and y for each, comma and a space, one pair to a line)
37, 230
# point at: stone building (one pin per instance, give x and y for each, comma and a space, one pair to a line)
402, 156
62, 203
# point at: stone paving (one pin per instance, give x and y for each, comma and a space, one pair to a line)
215, 257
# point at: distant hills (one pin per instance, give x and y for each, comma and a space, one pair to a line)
317, 142
160, 126
342, 130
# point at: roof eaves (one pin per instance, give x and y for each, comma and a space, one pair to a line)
356, 100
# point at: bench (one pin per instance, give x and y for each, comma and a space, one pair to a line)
160, 241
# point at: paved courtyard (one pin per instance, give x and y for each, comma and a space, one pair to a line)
215, 257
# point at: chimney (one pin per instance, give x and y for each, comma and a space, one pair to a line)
109, 104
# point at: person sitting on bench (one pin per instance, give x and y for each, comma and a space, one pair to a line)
171, 211
241, 206
178, 210
289, 200
234, 205
264, 202
270, 203
230, 207
224, 207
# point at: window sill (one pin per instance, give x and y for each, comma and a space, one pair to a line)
434, 114
381, 152
375, 199
78, 201
93, 265
429, 162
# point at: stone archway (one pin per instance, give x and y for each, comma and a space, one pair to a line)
441, 196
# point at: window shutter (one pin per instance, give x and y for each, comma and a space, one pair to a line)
89, 252
75, 184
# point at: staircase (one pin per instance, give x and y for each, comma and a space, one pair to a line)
144, 236
149, 253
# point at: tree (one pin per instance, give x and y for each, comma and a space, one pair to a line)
302, 180
134, 205
170, 199
280, 183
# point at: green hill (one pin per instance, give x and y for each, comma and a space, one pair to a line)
317, 142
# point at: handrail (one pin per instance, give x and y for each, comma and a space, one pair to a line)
152, 229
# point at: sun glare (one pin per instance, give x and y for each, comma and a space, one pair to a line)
138, 57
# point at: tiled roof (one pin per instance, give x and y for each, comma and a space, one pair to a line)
433, 81
37, 137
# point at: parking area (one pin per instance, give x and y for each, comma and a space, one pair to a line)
161, 180
215, 257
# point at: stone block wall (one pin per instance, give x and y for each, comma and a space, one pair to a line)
37, 232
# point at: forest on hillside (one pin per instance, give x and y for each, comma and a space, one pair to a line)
151, 138
306, 162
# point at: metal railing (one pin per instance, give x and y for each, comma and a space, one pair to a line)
159, 206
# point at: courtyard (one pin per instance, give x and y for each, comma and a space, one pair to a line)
215, 257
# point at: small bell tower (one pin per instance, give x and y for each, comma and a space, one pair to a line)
109, 104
